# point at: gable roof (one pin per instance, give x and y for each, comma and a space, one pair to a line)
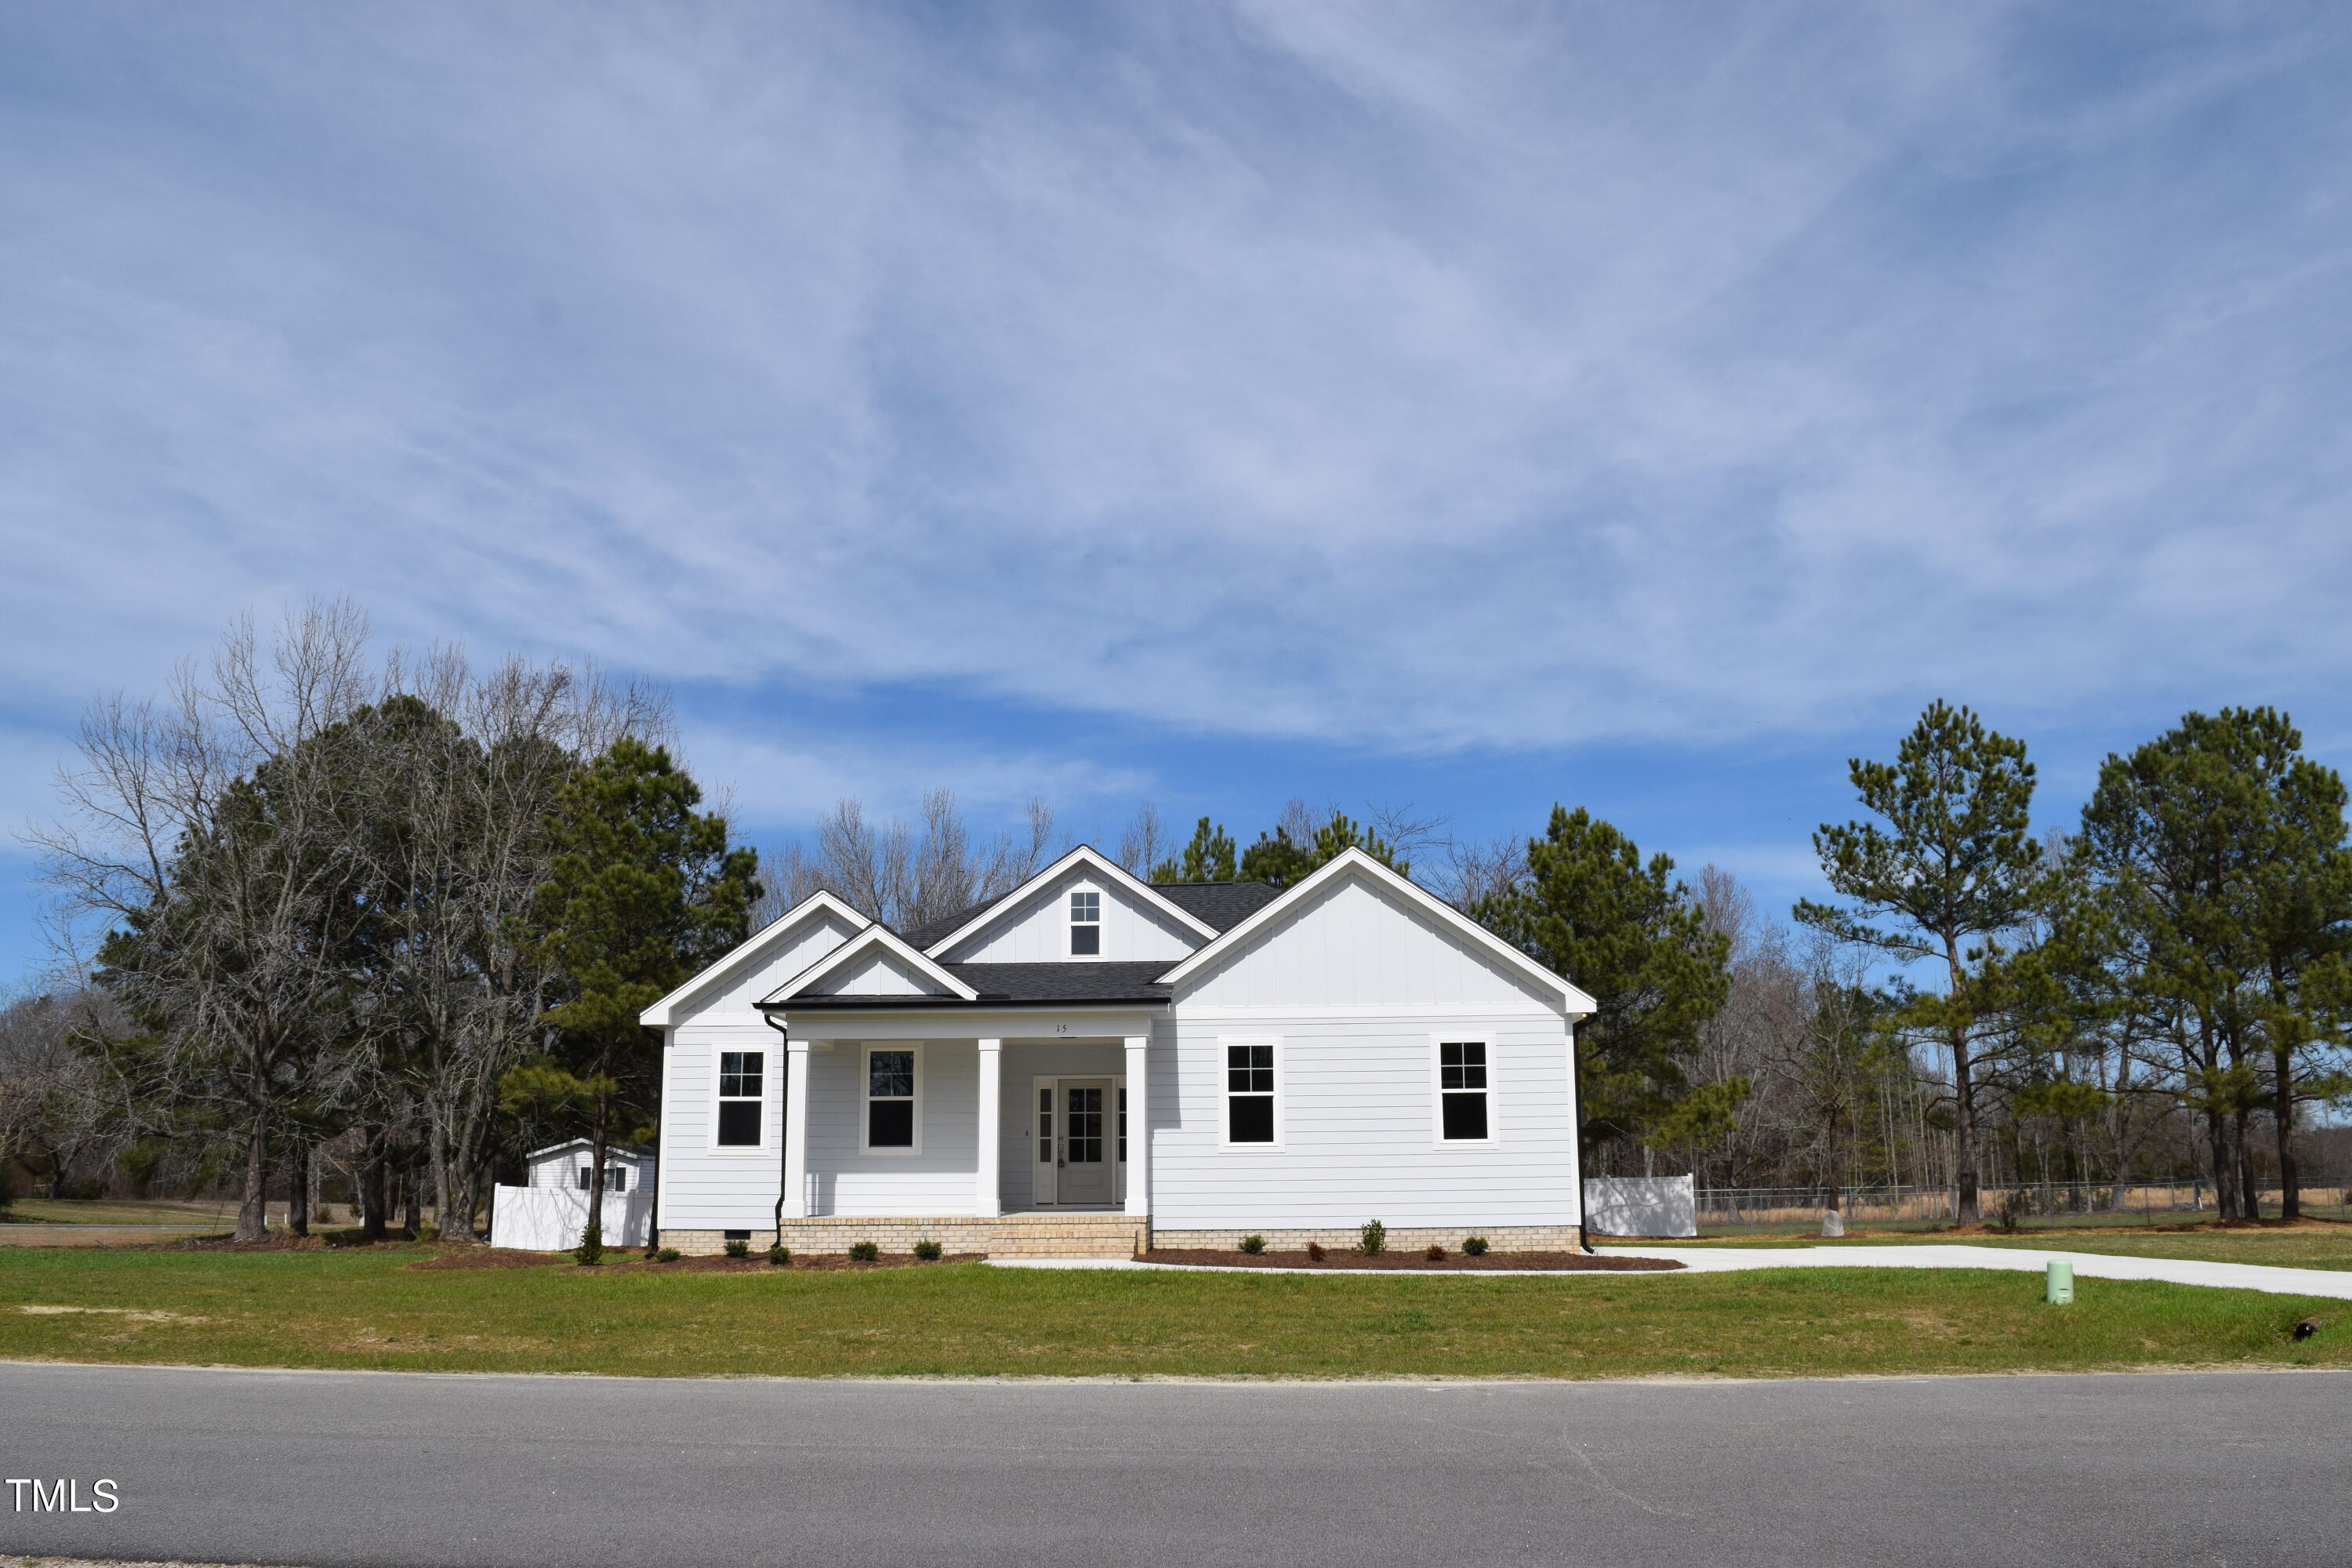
1013, 983
1222, 905
873, 939
748, 952
983, 915
624, 1150
1356, 862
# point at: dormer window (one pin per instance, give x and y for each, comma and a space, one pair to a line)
1085, 924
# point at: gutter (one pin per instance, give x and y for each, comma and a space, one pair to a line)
783, 1154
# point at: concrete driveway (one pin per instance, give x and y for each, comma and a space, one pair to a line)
329, 1469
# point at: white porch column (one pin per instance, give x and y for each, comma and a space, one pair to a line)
985, 1198
1138, 1125
795, 1177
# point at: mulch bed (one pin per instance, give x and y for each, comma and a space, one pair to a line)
1413, 1262
488, 1258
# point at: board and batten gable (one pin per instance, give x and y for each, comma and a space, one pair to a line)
702, 1186
1036, 928
1356, 986
879, 972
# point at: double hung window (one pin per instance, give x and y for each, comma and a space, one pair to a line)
742, 1079
890, 1099
1085, 924
1249, 1092
616, 1178
1462, 1111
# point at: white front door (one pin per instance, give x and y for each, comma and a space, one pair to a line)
1088, 1142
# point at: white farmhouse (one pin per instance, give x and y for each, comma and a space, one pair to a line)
1092, 1064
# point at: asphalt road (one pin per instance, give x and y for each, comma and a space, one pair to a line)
328, 1469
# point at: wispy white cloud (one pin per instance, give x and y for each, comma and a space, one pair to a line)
1403, 376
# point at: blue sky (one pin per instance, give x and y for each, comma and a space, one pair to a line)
1640, 406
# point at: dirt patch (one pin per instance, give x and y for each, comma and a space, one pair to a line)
488, 1258
1415, 1263
133, 1314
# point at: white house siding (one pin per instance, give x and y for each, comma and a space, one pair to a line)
1357, 1123
707, 1188
1038, 930
938, 1179
1358, 944
1356, 988
1016, 1142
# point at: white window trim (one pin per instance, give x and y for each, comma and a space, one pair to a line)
1437, 1137
1224, 1093
766, 1100
865, 1080
1070, 923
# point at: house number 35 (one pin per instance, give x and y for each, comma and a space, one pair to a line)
1061, 1029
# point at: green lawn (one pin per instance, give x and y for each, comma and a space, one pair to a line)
122, 1211
2319, 1246
367, 1310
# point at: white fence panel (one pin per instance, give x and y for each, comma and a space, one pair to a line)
550, 1219
1641, 1206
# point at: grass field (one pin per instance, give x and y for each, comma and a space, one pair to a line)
123, 1210
355, 1308
2310, 1245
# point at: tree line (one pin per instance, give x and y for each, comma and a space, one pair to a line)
407, 912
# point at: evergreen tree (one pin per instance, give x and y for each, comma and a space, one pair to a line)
2222, 872
1631, 936
1279, 858
1208, 858
1954, 869
643, 892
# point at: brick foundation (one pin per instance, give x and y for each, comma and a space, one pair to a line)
1006, 1235
1400, 1238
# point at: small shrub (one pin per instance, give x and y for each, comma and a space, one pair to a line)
591, 1250
1315, 1251
1474, 1245
778, 1256
739, 1249
1373, 1239
666, 1255
865, 1251
927, 1250
1253, 1244
1436, 1254
432, 1233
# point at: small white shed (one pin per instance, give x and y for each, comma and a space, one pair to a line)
551, 1210
627, 1169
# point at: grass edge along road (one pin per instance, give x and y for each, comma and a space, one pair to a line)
367, 1310
2307, 1243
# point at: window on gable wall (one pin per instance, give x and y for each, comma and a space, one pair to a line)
742, 1086
1249, 1094
1085, 924
1462, 1090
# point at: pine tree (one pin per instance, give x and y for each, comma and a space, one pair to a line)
1631, 936
1954, 869
1279, 858
1208, 858
643, 892
2222, 868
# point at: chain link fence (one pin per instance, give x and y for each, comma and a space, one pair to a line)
1735, 1210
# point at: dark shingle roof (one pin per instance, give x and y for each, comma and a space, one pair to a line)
1220, 906
1055, 982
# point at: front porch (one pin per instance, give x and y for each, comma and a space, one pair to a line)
1027, 1138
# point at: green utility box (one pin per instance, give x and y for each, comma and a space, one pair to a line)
2059, 1291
